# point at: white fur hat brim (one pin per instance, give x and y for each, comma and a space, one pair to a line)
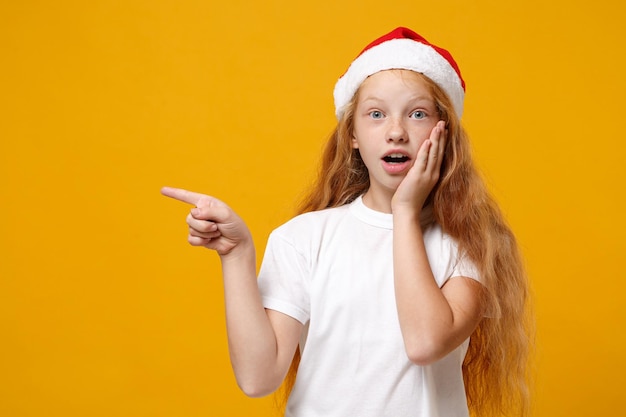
402, 53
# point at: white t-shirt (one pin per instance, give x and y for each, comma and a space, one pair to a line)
332, 270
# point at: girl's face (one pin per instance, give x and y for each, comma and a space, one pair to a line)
395, 112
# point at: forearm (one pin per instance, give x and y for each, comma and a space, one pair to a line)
426, 317
251, 338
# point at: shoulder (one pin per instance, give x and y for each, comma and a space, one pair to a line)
305, 233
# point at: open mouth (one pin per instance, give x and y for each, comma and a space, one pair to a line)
396, 158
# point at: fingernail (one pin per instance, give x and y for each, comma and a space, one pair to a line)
195, 211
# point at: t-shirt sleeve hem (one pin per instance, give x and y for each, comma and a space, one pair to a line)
285, 308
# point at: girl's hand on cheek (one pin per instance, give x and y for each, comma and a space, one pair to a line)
423, 175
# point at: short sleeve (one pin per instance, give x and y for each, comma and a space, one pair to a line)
283, 279
445, 258
464, 267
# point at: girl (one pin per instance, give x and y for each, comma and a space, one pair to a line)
398, 257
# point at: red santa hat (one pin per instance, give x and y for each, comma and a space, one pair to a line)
402, 49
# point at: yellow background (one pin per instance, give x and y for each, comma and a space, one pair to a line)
106, 311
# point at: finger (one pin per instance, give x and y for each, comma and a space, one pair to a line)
441, 148
182, 195
441, 139
211, 209
433, 152
207, 235
201, 225
437, 138
423, 153
198, 241
442, 144
435, 134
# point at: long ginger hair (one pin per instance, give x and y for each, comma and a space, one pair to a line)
495, 369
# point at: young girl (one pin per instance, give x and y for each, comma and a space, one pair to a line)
369, 297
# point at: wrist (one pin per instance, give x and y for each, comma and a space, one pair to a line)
241, 252
406, 211
408, 219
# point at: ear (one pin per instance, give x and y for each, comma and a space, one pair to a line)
355, 143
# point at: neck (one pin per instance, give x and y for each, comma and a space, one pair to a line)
379, 201
382, 203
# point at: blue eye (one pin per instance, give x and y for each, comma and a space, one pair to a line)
376, 114
418, 114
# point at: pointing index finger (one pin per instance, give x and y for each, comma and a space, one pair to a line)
182, 195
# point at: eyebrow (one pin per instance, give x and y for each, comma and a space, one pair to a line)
412, 99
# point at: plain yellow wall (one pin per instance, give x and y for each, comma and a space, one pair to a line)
106, 311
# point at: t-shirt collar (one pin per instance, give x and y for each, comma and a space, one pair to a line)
369, 216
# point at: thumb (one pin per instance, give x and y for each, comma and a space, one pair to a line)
212, 209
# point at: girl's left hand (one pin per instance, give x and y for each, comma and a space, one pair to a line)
424, 174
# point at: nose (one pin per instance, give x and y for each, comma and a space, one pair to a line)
396, 131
